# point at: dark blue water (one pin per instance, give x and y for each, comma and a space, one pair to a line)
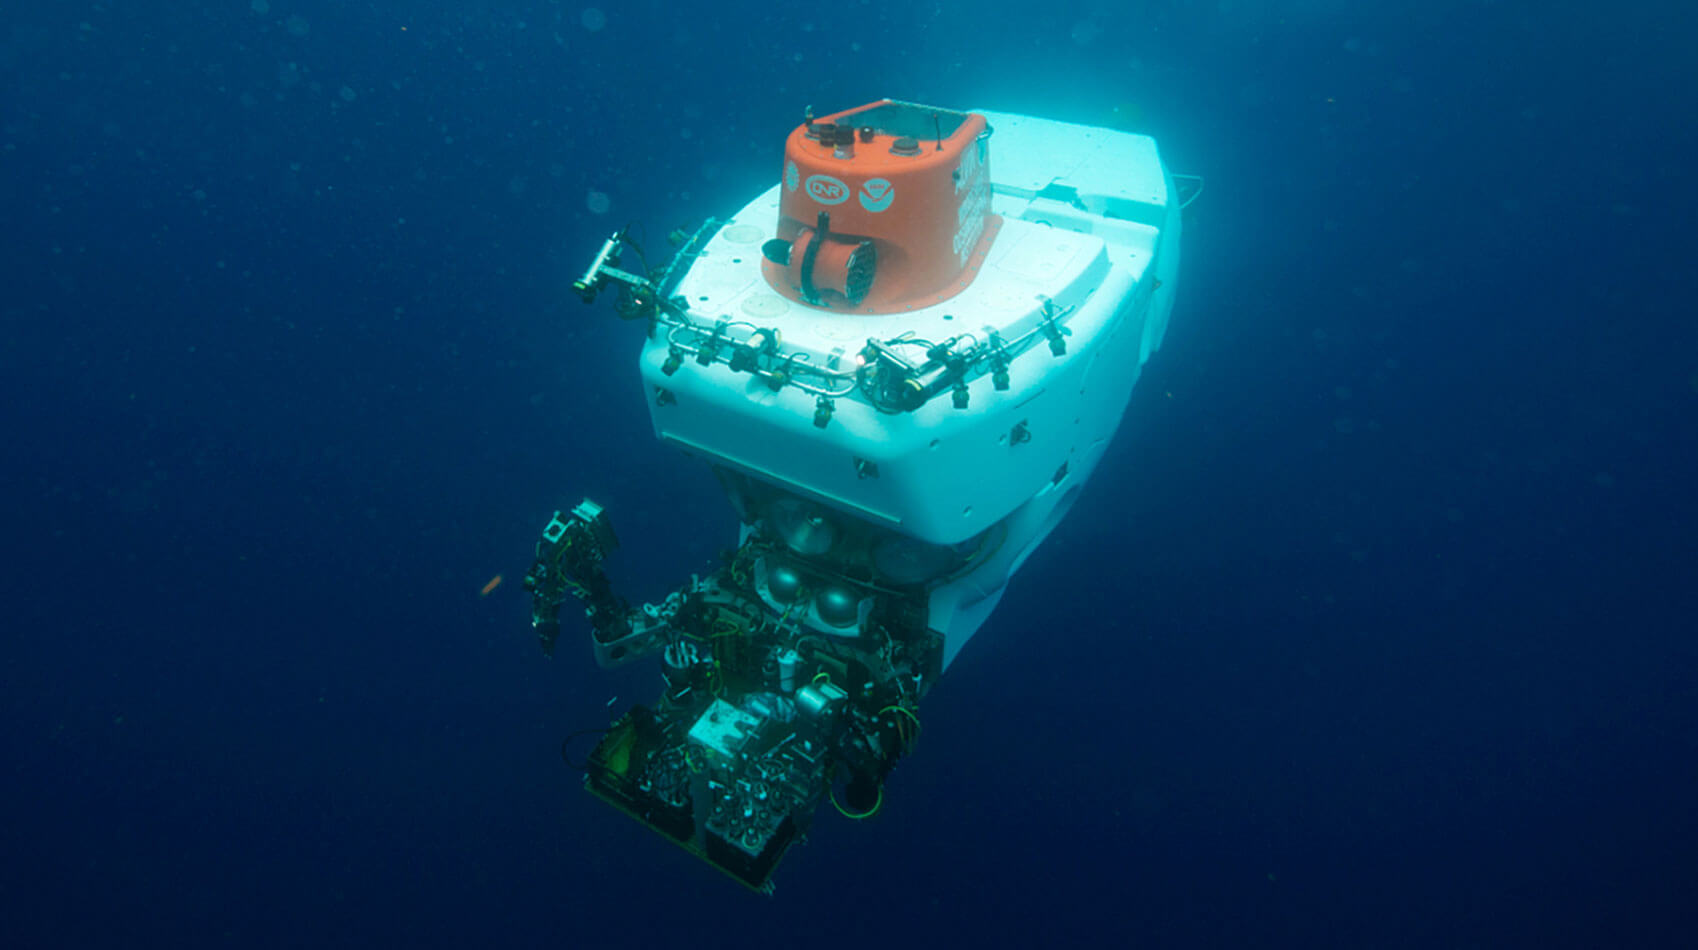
1375, 629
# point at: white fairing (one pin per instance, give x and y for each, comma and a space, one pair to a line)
1091, 222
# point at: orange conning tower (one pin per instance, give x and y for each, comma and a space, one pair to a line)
884, 208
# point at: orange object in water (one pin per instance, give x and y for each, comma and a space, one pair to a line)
494, 582
885, 208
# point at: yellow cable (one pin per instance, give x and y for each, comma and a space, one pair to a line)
863, 815
908, 738
904, 710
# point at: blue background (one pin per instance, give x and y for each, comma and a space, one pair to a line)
1373, 630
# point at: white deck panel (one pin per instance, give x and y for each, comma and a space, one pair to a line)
1115, 173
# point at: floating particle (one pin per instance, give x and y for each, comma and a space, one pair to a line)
1085, 31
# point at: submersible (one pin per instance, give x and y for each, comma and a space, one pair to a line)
902, 361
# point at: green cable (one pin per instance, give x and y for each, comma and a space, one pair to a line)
852, 816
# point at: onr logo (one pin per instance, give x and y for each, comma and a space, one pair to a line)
826, 190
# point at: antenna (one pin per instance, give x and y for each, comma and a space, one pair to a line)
937, 123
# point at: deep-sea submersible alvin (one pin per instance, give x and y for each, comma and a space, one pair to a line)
903, 361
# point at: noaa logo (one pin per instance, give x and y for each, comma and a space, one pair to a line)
792, 177
876, 194
826, 190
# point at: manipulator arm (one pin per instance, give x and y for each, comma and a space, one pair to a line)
569, 561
